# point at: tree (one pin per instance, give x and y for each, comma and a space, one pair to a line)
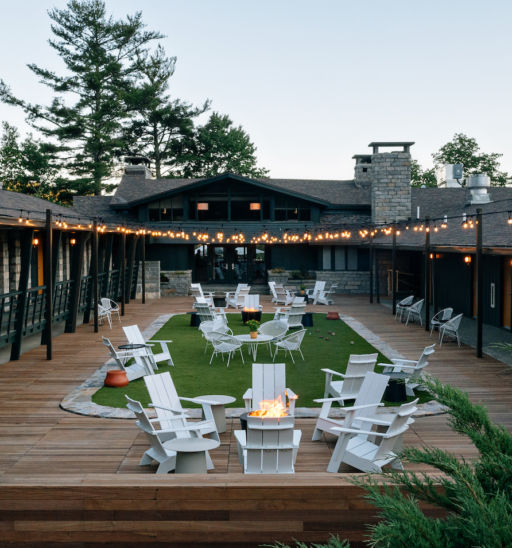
465, 150
218, 147
158, 124
422, 178
84, 118
27, 167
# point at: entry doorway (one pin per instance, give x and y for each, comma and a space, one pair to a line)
229, 264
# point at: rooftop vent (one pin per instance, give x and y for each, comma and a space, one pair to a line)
477, 186
450, 176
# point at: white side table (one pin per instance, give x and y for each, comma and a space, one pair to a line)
218, 410
191, 454
253, 343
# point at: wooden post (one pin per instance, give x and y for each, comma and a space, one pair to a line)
94, 265
48, 281
393, 270
122, 272
435, 300
371, 270
25, 259
130, 266
377, 277
479, 284
427, 274
143, 277
77, 262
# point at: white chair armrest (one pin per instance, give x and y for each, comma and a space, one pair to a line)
291, 394
177, 412
357, 407
248, 394
332, 372
355, 431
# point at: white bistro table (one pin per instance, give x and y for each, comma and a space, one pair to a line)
253, 343
218, 410
191, 454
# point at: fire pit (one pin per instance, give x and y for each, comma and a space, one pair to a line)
251, 314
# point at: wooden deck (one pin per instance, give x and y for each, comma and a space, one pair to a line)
76, 479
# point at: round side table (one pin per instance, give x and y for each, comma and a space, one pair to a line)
218, 410
191, 454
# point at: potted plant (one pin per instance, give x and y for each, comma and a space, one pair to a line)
253, 328
302, 289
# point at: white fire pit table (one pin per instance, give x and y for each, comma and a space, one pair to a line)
218, 409
253, 343
191, 454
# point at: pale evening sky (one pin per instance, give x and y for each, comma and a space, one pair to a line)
313, 82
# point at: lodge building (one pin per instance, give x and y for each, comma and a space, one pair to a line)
228, 229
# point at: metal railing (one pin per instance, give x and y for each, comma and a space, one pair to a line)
8, 308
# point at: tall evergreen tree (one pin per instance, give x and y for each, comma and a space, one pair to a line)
158, 124
101, 56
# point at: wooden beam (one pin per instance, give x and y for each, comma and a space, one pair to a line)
77, 263
479, 284
371, 269
427, 274
94, 265
393, 270
122, 272
49, 282
143, 274
25, 259
130, 265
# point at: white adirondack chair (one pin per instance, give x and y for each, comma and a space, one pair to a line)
134, 336
166, 458
402, 306
236, 299
269, 383
451, 327
280, 295
252, 302
213, 326
317, 290
224, 343
143, 363
291, 315
414, 312
366, 403
325, 297
170, 413
111, 306
440, 318
410, 368
197, 292
269, 446
290, 343
356, 446
348, 388
208, 313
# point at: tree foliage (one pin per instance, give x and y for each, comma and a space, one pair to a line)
421, 177
101, 56
218, 147
465, 150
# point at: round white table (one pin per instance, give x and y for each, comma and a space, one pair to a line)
218, 410
253, 343
191, 454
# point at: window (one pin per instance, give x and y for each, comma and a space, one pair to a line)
168, 210
351, 258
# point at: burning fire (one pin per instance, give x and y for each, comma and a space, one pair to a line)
270, 408
251, 310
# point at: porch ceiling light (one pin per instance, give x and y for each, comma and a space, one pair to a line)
255, 206
467, 259
202, 206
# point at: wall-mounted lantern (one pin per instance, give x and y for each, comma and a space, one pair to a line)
467, 259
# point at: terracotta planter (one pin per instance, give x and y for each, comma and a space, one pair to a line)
116, 378
332, 316
254, 334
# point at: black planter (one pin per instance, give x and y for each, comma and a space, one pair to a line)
395, 391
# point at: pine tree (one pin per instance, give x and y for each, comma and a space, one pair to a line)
101, 56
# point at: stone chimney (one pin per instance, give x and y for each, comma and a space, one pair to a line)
391, 182
362, 169
137, 166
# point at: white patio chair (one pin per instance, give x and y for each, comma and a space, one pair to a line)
166, 458
170, 413
223, 343
143, 363
252, 302
111, 306
197, 292
440, 318
325, 297
292, 315
356, 446
348, 388
134, 336
104, 313
269, 383
290, 343
451, 327
366, 403
280, 295
403, 305
236, 299
268, 446
275, 328
312, 293
213, 326
410, 368
414, 312
208, 313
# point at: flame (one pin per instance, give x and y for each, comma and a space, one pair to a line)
251, 310
270, 408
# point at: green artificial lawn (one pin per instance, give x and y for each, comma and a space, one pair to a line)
328, 344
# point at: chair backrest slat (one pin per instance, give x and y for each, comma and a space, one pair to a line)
268, 382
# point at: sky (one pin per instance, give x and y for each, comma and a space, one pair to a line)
314, 82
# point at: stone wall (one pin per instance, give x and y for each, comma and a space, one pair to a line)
349, 281
152, 280
178, 282
391, 186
